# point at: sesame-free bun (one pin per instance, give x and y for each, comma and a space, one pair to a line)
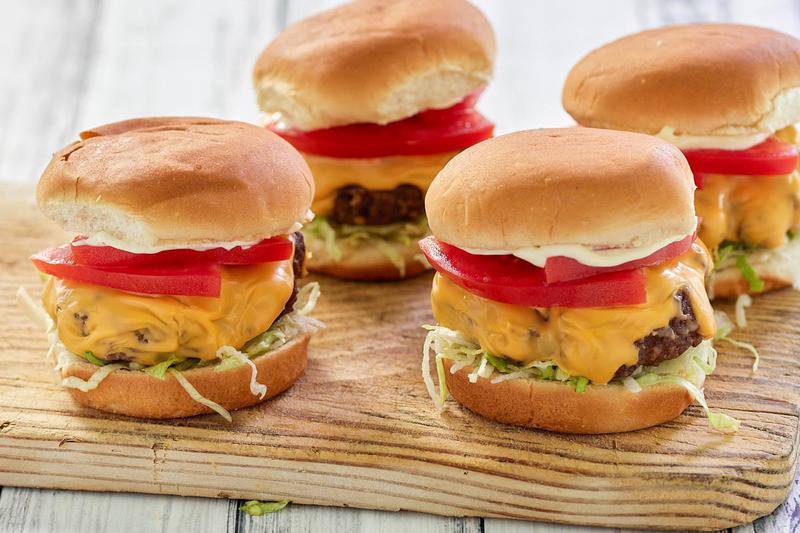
177, 180
143, 396
700, 79
556, 406
364, 263
581, 186
777, 268
375, 61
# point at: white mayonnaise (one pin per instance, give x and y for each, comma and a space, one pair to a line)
722, 142
586, 255
102, 238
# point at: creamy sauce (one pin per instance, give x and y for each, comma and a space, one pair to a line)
589, 342
148, 329
755, 210
585, 255
722, 142
383, 173
102, 238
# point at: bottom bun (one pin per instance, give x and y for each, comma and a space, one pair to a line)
365, 262
556, 406
141, 395
777, 269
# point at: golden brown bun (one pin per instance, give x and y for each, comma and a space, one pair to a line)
375, 61
701, 79
144, 396
563, 186
776, 268
557, 407
164, 180
363, 263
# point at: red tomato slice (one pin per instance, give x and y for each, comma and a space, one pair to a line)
430, 132
558, 269
699, 180
273, 249
199, 279
508, 279
770, 158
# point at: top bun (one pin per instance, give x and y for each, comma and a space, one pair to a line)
375, 61
177, 180
700, 79
583, 186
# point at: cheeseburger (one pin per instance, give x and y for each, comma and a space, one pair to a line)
377, 95
178, 296
569, 292
728, 96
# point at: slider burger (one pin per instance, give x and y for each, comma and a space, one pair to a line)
178, 295
377, 95
569, 290
728, 96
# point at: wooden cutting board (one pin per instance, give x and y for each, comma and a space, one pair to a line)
359, 428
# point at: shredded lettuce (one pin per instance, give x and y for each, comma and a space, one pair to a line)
232, 358
631, 385
257, 508
100, 374
749, 274
34, 311
738, 254
160, 370
89, 356
689, 371
383, 237
282, 331
288, 326
199, 398
742, 301
724, 329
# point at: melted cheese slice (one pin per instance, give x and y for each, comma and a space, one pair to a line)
588, 342
148, 329
382, 173
755, 210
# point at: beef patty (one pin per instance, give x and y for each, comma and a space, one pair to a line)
297, 267
668, 342
356, 205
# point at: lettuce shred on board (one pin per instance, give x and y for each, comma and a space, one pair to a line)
724, 329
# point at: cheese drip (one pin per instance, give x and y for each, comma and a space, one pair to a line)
755, 210
382, 173
588, 342
148, 329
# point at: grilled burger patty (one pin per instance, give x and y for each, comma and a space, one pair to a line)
668, 342
356, 205
297, 267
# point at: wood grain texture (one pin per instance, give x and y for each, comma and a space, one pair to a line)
359, 429
46, 48
56, 77
173, 58
25, 510
309, 518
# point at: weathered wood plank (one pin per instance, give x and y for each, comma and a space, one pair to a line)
499, 525
244, 106
358, 433
57, 511
170, 58
302, 518
45, 49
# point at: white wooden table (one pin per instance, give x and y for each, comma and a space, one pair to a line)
67, 65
